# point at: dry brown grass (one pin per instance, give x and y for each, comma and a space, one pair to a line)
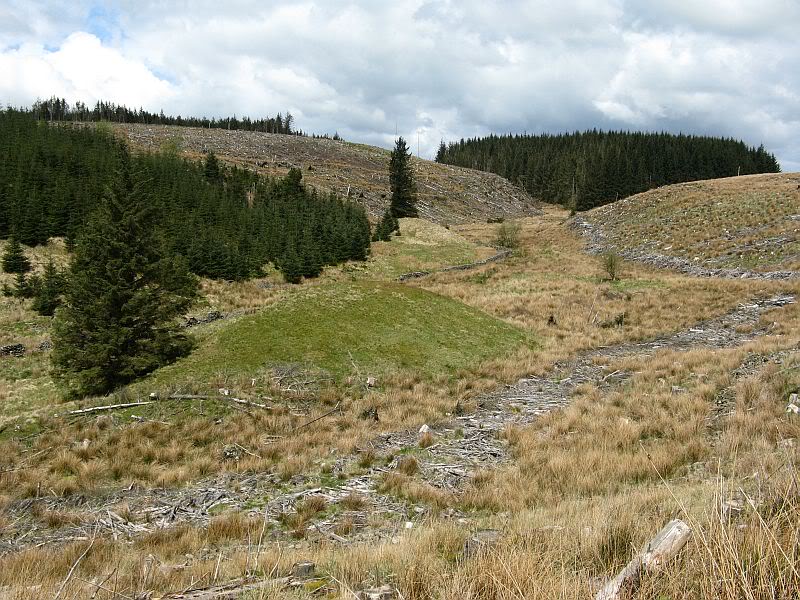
555, 290
590, 483
408, 465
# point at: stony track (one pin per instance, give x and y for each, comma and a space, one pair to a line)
597, 243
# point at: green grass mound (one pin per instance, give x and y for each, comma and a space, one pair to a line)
382, 326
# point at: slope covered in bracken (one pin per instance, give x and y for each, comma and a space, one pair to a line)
446, 194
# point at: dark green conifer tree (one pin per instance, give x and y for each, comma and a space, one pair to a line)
26, 287
441, 154
123, 295
211, 167
14, 259
48, 296
388, 224
290, 266
401, 182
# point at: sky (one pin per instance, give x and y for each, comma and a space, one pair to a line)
429, 70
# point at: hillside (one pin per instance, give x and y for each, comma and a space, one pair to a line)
446, 194
582, 170
733, 225
378, 429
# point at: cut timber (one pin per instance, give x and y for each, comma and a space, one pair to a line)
154, 398
221, 397
94, 409
231, 590
661, 549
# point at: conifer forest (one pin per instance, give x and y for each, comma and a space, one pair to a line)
584, 170
227, 223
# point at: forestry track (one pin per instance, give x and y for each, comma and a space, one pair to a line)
598, 243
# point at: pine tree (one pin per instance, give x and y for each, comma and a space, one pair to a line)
48, 295
123, 296
211, 167
441, 154
384, 229
14, 260
401, 182
290, 266
25, 287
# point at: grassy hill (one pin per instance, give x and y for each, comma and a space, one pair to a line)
750, 222
381, 327
446, 194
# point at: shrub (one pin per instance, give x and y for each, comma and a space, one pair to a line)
612, 264
508, 235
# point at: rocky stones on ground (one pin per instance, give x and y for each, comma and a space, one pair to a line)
385, 592
17, 350
212, 316
793, 406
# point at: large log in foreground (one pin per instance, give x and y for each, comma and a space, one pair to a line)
661, 549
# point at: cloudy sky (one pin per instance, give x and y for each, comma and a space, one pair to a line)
431, 69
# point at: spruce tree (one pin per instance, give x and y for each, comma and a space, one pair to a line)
14, 260
290, 266
441, 154
118, 320
384, 229
48, 294
26, 287
211, 167
401, 182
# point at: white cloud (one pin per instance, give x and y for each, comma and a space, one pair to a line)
81, 68
440, 68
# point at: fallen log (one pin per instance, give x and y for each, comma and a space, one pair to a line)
661, 549
154, 398
230, 591
224, 398
94, 409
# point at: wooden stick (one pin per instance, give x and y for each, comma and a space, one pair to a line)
101, 586
86, 411
225, 398
75, 566
661, 549
94, 409
330, 412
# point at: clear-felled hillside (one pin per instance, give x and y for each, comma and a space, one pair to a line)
446, 194
750, 222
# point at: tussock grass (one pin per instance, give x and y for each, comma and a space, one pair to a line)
590, 484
